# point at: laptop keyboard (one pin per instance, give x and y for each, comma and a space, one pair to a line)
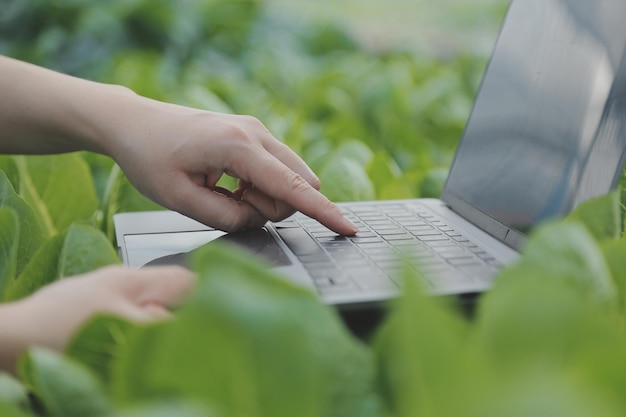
390, 239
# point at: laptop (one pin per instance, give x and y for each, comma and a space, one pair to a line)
547, 132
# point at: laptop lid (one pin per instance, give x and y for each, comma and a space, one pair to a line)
547, 130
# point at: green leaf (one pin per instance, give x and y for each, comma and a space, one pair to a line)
555, 303
7, 410
615, 255
31, 236
13, 393
344, 179
355, 150
79, 250
251, 344
567, 251
43, 269
99, 343
419, 350
100, 167
65, 388
542, 393
602, 216
432, 185
8, 165
59, 187
9, 237
167, 408
84, 250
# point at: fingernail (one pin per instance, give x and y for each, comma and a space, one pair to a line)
353, 226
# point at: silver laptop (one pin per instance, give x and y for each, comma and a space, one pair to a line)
546, 133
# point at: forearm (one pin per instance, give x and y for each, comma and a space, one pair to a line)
14, 335
42, 111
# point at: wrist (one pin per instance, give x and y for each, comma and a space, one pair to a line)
106, 117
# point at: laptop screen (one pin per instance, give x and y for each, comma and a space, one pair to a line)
547, 130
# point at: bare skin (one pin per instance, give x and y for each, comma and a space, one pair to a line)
174, 155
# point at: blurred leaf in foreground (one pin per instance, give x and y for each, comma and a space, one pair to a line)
251, 344
615, 254
542, 394
558, 299
419, 351
99, 343
13, 393
65, 388
602, 216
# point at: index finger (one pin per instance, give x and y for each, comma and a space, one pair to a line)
278, 181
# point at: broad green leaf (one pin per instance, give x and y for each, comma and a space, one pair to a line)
100, 167
7, 410
602, 216
433, 183
344, 179
200, 97
79, 250
65, 388
355, 150
167, 409
419, 351
251, 344
556, 301
9, 238
41, 270
31, 235
568, 251
13, 393
99, 343
541, 393
84, 250
59, 187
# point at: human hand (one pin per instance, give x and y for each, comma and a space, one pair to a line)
51, 315
175, 155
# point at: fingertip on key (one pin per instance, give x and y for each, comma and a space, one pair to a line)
351, 226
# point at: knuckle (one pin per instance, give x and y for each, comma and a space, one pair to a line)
296, 183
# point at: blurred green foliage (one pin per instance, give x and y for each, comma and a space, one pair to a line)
314, 86
548, 340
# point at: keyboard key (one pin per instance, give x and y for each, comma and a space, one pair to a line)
286, 224
432, 238
431, 232
328, 233
392, 238
299, 241
478, 272
359, 239
372, 280
389, 232
464, 261
315, 258
372, 245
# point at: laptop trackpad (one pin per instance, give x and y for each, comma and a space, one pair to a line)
256, 241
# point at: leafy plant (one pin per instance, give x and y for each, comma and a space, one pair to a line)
546, 340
